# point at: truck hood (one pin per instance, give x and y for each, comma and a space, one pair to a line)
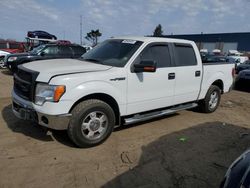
54, 67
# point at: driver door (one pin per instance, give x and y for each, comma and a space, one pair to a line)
151, 90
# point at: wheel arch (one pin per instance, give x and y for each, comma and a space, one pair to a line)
219, 83
105, 98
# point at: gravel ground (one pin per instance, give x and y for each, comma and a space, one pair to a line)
187, 149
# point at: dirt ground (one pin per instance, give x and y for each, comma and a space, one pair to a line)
187, 149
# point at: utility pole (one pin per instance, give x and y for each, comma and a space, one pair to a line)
81, 29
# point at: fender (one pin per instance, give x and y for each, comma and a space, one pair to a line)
115, 90
208, 82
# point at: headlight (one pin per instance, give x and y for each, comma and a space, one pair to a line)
46, 92
10, 59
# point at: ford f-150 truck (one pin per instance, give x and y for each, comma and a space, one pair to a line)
121, 81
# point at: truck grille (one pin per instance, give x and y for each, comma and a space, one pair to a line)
24, 83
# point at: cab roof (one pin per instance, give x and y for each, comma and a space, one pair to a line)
153, 39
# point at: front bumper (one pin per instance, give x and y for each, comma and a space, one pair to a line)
25, 111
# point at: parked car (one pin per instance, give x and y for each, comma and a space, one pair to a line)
120, 81
213, 58
243, 66
237, 59
47, 51
244, 75
2, 56
41, 34
62, 42
12, 46
242, 80
238, 174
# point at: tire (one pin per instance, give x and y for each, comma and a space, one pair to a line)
91, 123
12, 68
211, 101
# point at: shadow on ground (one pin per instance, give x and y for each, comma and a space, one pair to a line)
243, 85
195, 157
33, 130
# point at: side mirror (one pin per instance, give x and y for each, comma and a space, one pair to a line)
145, 66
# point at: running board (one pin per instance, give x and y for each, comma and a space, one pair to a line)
144, 117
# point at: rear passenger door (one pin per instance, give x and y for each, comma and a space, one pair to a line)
147, 90
188, 73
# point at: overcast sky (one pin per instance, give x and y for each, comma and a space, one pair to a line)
122, 17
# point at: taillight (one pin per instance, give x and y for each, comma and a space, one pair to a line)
233, 72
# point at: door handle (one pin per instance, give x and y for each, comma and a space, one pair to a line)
197, 73
171, 76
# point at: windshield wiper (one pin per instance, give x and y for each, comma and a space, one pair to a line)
92, 60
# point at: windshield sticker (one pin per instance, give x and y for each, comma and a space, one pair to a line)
129, 41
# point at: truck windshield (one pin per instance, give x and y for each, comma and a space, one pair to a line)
37, 49
114, 52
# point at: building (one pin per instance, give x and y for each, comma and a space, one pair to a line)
222, 41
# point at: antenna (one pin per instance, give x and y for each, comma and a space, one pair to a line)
81, 29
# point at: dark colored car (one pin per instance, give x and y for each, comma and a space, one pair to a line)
243, 75
243, 66
242, 81
212, 58
47, 51
238, 174
41, 34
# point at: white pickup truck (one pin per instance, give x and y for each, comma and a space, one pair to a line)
121, 81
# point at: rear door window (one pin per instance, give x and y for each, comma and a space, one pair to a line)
184, 55
78, 50
65, 51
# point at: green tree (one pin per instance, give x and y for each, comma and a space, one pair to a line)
158, 31
93, 36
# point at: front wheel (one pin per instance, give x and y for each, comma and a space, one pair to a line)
91, 123
211, 101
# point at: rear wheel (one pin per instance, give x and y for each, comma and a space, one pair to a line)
92, 123
211, 101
